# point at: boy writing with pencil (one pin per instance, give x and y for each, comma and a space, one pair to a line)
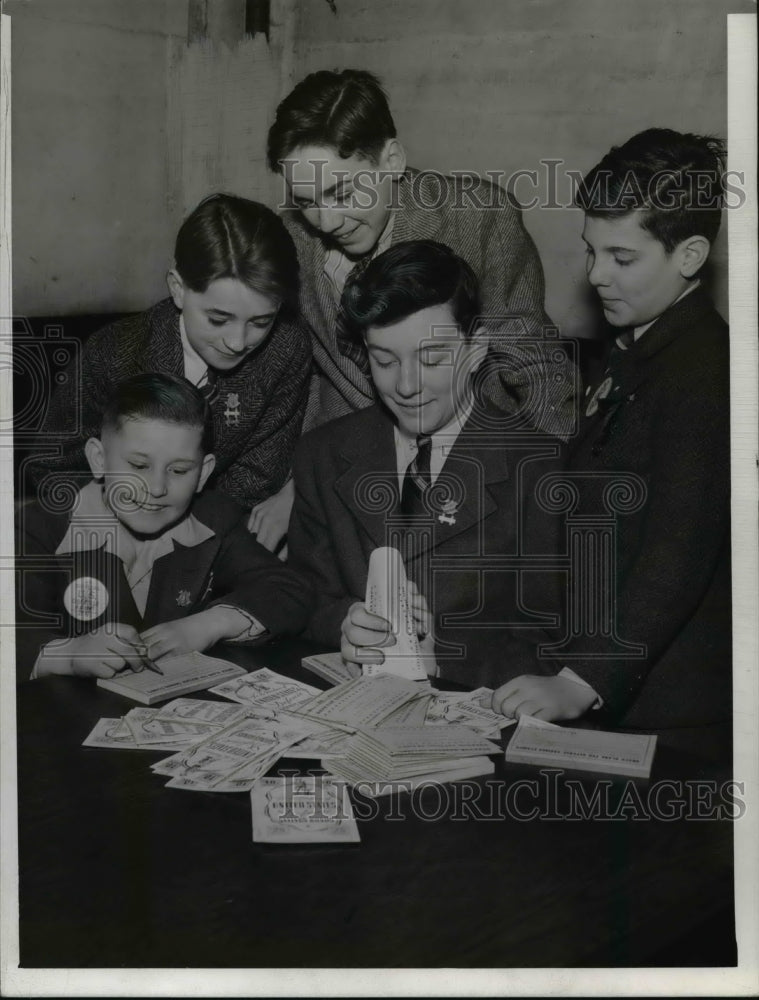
140, 563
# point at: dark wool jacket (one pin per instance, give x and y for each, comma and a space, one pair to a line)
257, 411
479, 222
666, 420
482, 568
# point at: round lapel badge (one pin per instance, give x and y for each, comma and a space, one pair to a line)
601, 393
86, 598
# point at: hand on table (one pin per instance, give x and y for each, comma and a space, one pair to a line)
105, 651
269, 519
553, 699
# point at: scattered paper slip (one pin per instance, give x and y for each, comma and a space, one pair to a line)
267, 689
302, 810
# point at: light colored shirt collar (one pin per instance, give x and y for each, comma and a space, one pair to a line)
442, 443
195, 368
337, 266
638, 331
94, 526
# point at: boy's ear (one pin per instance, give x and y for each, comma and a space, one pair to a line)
176, 287
693, 253
209, 463
393, 157
93, 450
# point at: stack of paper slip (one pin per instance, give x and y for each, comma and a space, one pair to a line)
538, 742
468, 708
365, 701
182, 673
396, 752
373, 728
302, 810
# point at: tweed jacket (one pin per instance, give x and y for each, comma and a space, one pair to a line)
347, 493
229, 567
257, 412
533, 372
666, 420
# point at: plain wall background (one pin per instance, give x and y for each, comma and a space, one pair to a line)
120, 126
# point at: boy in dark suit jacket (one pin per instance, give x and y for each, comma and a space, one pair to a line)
657, 422
434, 471
139, 562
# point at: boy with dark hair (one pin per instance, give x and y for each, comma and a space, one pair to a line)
656, 422
345, 174
434, 470
139, 562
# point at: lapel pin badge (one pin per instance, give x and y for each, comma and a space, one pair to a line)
232, 412
449, 510
184, 598
86, 598
601, 393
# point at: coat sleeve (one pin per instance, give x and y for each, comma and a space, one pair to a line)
312, 549
248, 576
530, 363
264, 465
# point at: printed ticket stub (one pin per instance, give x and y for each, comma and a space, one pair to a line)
302, 810
387, 596
265, 688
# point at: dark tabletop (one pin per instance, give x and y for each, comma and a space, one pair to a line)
504, 871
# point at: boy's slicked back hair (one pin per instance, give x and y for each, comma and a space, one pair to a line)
408, 277
158, 396
231, 237
347, 111
676, 178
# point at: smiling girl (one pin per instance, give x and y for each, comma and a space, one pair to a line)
230, 329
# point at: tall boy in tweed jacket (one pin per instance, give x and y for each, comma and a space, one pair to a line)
352, 197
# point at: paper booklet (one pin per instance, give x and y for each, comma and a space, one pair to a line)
387, 596
182, 674
538, 742
453, 770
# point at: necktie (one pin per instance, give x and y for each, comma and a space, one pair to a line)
625, 338
417, 479
349, 346
208, 386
